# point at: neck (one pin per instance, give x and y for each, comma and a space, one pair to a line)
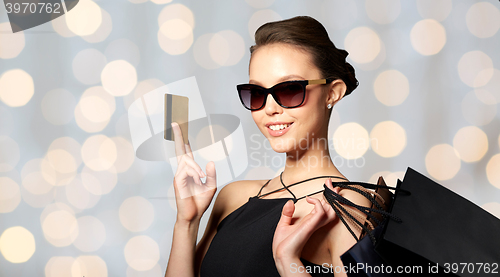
313, 160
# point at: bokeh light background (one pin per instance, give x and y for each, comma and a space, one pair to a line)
74, 200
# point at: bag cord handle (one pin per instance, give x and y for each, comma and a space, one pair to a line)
336, 200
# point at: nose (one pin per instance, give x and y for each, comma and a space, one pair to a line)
271, 106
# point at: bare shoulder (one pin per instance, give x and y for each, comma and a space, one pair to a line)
235, 194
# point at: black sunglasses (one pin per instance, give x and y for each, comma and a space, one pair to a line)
289, 94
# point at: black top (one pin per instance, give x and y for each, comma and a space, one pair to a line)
242, 245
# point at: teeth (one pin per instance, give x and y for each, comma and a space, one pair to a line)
278, 127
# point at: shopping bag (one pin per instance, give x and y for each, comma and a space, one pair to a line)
440, 232
361, 260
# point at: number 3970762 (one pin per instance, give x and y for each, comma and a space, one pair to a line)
471, 268
24, 8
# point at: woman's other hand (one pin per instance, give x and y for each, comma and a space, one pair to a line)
289, 239
192, 196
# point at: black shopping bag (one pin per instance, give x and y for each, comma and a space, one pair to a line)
361, 260
440, 232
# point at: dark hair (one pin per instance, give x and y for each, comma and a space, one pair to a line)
307, 33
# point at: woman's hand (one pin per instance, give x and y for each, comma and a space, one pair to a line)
192, 196
289, 239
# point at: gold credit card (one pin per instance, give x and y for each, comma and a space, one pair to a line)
176, 110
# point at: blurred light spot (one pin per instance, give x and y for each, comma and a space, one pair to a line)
442, 162
79, 196
119, 78
434, 9
10, 195
82, 121
138, 1
363, 44
136, 214
85, 18
226, 48
16, 87
142, 88
475, 68
87, 66
59, 25
35, 183
95, 109
483, 19
493, 172
201, 52
71, 146
125, 154
91, 234
210, 153
391, 87
161, 2
123, 49
493, 208
60, 228
103, 31
471, 143
54, 177
155, 271
17, 244
92, 266
383, 11
493, 86
351, 140
99, 182
142, 253
57, 106
260, 4
6, 121
476, 111
338, 14
11, 44
135, 174
377, 62
61, 161
38, 200
9, 154
99, 152
259, 18
388, 139
428, 37
176, 11
59, 266
175, 36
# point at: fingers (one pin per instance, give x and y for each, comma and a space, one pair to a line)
180, 149
322, 212
211, 180
287, 213
190, 163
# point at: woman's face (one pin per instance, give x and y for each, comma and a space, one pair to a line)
276, 63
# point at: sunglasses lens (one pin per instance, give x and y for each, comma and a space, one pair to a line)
290, 94
252, 97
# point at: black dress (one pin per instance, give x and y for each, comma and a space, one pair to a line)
242, 245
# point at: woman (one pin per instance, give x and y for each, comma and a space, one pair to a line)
262, 227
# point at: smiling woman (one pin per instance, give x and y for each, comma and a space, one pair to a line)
296, 76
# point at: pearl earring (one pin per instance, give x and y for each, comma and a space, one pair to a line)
329, 106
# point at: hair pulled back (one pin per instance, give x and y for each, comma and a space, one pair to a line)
307, 33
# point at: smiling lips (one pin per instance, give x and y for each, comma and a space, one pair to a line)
277, 129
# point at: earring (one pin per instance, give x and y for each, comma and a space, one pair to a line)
329, 106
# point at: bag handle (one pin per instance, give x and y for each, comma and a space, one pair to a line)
337, 201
